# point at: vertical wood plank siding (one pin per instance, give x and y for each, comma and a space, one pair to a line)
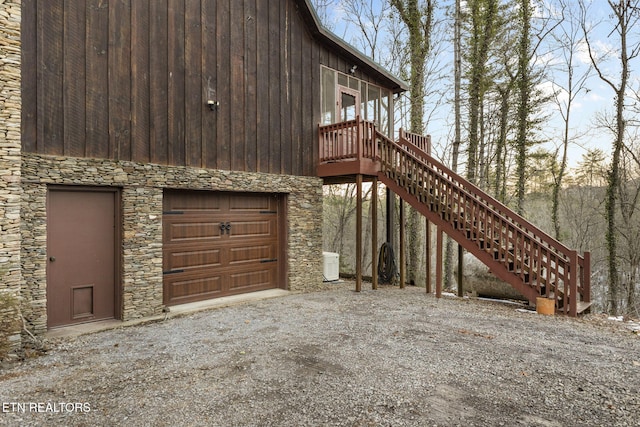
130, 80
29, 73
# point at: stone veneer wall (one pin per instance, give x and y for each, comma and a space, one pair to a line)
10, 106
142, 186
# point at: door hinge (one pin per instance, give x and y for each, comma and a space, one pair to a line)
173, 271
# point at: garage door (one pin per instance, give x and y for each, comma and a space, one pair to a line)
217, 244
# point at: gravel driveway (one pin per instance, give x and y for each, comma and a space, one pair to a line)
387, 357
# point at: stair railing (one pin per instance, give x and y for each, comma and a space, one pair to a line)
535, 258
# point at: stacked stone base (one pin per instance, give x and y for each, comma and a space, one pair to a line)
141, 188
10, 141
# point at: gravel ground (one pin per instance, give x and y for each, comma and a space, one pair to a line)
388, 357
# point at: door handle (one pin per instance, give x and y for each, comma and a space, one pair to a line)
52, 258
225, 227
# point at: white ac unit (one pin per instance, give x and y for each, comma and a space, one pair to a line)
330, 266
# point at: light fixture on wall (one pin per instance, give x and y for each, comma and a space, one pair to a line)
213, 105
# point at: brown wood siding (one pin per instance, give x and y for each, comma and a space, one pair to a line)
140, 87
29, 73
130, 80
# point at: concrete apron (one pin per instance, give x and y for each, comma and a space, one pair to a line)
174, 311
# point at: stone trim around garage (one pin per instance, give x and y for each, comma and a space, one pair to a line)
10, 135
141, 193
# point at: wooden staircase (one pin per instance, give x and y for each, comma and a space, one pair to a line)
514, 250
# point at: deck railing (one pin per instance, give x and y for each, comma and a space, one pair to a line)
351, 140
422, 142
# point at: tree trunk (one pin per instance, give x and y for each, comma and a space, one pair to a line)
524, 89
500, 186
483, 24
418, 21
455, 151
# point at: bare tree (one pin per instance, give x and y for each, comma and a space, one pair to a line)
530, 100
323, 10
417, 16
370, 17
483, 22
457, 139
568, 38
625, 15
504, 88
582, 206
629, 195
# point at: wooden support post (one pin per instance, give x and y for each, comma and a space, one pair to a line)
573, 284
586, 277
391, 218
374, 233
359, 233
439, 263
460, 269
427, 245
402, 254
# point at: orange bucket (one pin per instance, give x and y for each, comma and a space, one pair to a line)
545, 306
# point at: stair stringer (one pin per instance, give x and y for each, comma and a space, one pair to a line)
497, 268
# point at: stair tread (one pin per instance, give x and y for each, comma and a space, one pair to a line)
583, 305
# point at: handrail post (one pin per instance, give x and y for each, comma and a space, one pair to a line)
573, 283
374, 142
586, 277
359, 233
320, 144
359, 139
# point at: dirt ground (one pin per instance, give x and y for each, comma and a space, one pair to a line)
389, 357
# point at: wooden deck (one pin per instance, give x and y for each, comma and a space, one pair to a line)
350, 148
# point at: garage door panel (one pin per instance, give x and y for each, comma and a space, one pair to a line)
258, 278
193, 287
193, 259
193, 202
252, 254
183, 231
253, 228
257, 203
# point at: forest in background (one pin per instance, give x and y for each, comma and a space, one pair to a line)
503, 87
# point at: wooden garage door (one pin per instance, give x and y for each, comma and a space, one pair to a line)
218, 244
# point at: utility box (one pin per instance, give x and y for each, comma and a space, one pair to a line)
330, 266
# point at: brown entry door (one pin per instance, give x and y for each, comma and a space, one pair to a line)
348, 103
217, 244
81, 265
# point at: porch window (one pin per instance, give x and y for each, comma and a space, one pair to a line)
339, 91
328, 95
385, 108
373, 104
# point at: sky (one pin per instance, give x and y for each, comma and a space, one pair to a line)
596, 99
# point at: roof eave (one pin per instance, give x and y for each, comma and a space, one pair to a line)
395, 84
